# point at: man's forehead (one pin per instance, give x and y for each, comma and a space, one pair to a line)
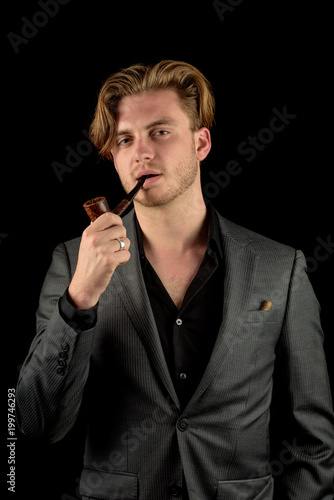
149, 106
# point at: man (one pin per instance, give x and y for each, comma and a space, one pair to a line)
177, 358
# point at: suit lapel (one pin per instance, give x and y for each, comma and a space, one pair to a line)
240, 265
129, 283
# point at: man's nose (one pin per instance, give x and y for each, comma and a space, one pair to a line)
144, 151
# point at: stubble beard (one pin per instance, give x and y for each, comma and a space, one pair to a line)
185, 175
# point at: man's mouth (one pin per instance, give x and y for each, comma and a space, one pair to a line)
150, 176
148, 173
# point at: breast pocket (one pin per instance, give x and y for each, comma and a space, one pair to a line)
96, 484
251, 489
260, 326
261, 316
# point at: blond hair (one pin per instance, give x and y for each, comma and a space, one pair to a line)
194, 91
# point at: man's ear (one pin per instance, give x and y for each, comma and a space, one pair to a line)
202, 143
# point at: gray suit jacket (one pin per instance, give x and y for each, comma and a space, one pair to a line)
139, 444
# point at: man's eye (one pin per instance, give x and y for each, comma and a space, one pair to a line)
161, 132
123, 141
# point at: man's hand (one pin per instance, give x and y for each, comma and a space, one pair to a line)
99, 255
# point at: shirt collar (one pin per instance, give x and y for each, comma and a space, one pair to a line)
214, 233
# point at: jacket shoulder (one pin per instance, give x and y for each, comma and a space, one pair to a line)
66, 254
72, 246
258, 242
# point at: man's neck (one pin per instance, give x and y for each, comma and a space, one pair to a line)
174, 227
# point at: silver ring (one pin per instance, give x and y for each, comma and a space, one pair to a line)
121, 244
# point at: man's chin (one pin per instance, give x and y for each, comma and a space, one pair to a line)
152, 202
151, 199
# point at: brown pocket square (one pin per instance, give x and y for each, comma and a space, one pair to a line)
266, 305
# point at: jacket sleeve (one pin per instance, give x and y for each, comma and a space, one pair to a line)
53, 376
305, 468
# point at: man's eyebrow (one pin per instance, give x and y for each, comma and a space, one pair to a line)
161, 121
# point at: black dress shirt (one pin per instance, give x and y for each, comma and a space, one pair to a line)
187, 334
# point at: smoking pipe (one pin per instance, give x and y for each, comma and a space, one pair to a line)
98, 206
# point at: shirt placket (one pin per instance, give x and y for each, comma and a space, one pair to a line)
185, 378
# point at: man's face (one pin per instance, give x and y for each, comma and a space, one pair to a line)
153, 136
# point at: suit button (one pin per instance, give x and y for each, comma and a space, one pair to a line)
174, 490
65, 346
60, 370
182, 424
63, 355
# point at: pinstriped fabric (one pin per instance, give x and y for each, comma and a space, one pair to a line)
42, 358
139, 444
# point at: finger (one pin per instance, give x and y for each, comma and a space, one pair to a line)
123, 257
105, 221
120, 245
125, 261
108, 237
109, 227
115, 232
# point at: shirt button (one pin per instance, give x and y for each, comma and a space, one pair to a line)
179, 322
174, 490
183, 376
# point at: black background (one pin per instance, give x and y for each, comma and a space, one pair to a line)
262, 55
